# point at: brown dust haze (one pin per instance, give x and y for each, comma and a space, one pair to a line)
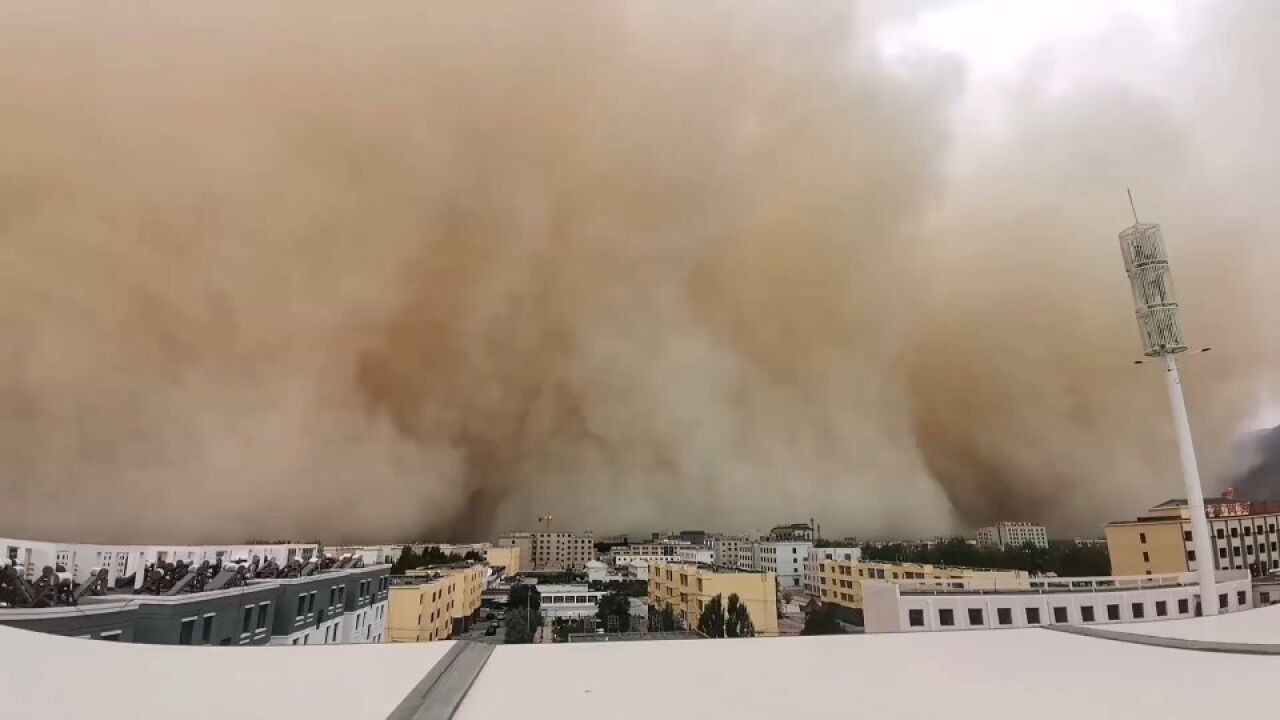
391, 270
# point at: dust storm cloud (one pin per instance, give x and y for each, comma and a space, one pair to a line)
391, 270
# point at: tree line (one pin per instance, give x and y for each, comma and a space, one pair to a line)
1063, 558
430, 556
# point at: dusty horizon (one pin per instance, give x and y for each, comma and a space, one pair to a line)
401, 271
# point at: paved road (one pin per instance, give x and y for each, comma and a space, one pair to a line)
476, 634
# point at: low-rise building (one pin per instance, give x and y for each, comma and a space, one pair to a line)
1244, 536
688, 588
840, 581
569, 602
972, 603
1013, 533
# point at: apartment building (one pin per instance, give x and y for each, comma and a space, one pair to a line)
81, 559
783, 558
551, 550
793, 531
840, 581
688, 588
817, 556
971, 603
725, 549
1013, 533
327, 607
510, 557
1244, 536
434, 604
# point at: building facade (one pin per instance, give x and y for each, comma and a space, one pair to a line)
818, 556
785, 559
688, 588
510, 557
569, 602
840, 581
1014, 533
434, 604
1243, 535
969, 604
551, 550
794, 531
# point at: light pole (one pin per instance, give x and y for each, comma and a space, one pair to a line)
1160, 330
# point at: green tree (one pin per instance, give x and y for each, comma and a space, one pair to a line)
473, 556
737, 619
712, 620
822, 621
521, 625
720, 619
614, 612
408, 560
662, 620
525, 596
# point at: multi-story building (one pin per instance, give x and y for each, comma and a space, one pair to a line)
510, 558
840, 581
332, 606
570, 602
971, 603
1244, 536
726, 548
552, 550
1013, 533
688, 588
819, 555
434, 604
81, 559
785, 559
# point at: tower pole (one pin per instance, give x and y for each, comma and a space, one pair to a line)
1191, 482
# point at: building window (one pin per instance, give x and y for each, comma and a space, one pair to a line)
1186, 535
1221, 534
1113, 612
1248, 532
1162, 608
1142, 538
1146, 557
1241, 598
1222, 553
1235, 551
247, 622
1086, 613
1184, 606
975, 616
915, 618
262, 615
1264, 597
1222, 601
1060, 614
1004, 616
206, 631
188, 628
946, 617
1191, 556
1139, 611
1235, 532
1033, 616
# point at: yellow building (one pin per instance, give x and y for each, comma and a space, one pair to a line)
426, 605
840, 582
688, 588
1243, 536
512, 558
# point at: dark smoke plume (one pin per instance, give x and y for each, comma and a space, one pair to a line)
373, 271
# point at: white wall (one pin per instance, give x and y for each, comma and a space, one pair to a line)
886, 609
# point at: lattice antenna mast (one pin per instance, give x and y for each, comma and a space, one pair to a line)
1160, 331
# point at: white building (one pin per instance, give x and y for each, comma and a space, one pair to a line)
1013, 533
569, 601
819, 555
599, 572
971, 603
695, 555
80, 559
725, 549
665, 551
784, 558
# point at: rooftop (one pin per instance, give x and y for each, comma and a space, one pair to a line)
972, 674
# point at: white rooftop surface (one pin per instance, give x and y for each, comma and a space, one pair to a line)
1260, 626
49, 676
970, 674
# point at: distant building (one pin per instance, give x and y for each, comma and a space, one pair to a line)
569, 602
695, 537
725, 550
978, 603
783, 558
562, 550
794, 531
1013, 533
688, 588
1243, 535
